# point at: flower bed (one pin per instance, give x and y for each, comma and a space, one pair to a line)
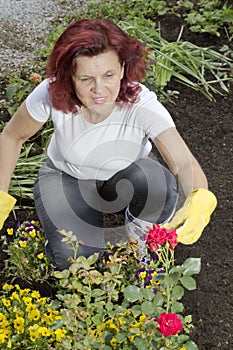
121, 300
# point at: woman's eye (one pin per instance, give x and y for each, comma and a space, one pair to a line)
85, 79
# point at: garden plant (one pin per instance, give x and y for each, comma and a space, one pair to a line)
121, 300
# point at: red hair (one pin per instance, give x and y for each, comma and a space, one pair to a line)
91, 37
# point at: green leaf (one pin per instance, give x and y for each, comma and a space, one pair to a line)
77, 285
93, 258
74, 267
188, 319
177, 292
120, 337
11, 90
182, 338
97, 292
158, 300
109, 305
158, 311
62, 274
107, 347
136, 310
168, 281
188, 282
86, 265
174, 277
190, 345
66, 344
132, 293
97, 319
147, 307
148, 294
177, 307
192, 266
177, 269
140, 343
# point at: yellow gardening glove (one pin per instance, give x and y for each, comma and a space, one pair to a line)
7, 203
192, 218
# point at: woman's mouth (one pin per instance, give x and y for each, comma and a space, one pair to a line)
99, 100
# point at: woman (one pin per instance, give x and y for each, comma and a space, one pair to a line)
97, 158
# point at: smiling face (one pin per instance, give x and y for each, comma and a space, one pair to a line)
97, 81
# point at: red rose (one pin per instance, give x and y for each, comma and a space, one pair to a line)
172, 238
160, 235
153, 246
169, 324
156, 237
157, 234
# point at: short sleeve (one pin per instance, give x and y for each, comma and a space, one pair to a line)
38, 102
152, 115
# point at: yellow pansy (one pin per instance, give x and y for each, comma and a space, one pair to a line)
30, 307
7, 332
10, 231
3, 320
40, 256
42, 301
113, 342
7, 286
142, 318
33, 332
19, 324
33, 233
6, 302
92, 333
27, 300
22, 244
15, 296
131, 338
47, 319
44, 331
35, 294
34, 315
2, 338
60, 333
142, 275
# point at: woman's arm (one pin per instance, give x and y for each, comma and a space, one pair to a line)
191, 219
19, 129
181, 161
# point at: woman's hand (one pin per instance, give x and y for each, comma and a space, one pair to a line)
190, 221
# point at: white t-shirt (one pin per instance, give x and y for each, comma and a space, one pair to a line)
97, 151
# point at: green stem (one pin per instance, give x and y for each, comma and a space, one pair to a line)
168, 260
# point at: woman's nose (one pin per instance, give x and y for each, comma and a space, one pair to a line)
97, 86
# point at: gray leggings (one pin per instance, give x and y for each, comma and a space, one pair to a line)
65, 202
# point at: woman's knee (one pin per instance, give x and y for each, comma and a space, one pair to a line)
155, 191
63, 257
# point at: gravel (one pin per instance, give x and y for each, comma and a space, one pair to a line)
25, 24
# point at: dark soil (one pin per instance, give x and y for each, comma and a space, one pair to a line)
207, 129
